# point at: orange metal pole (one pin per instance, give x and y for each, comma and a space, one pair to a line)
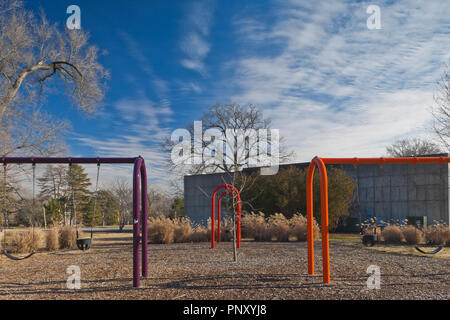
309, 216
382, 160
324, 219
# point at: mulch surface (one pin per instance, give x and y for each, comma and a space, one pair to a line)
194, 271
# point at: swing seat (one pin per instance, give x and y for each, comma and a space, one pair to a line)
84, 244
429, 252
7, 254
369, 240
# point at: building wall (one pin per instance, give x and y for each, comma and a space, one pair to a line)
396, 191
197, 205
392, 191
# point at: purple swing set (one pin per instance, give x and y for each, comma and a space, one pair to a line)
140, 204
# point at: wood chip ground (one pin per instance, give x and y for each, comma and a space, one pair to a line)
194, 271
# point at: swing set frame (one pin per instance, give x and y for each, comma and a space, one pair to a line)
229, 189
140, 202
320, 164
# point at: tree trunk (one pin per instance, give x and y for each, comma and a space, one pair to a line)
45, 217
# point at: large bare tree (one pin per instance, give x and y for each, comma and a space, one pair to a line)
37, 57
412, 147
441, 110
231, 139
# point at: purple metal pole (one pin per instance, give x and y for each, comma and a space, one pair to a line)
66, 160
144, 220
136, 225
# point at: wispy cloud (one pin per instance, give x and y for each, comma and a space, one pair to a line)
335, 87
139, 127
135, 51
195, 44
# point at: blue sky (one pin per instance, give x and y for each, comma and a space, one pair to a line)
332, 86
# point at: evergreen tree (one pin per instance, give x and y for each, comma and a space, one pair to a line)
102, 208
77, 184
55, 211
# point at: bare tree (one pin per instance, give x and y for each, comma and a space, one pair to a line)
441, 111
232, 139
52, 183
35, 56
412, 147
122, 190
160, 203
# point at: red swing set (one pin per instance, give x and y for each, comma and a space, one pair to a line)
230, 189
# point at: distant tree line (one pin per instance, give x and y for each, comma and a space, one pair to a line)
285, 193
66, 196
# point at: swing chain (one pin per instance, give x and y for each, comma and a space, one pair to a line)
95, 197
5, 218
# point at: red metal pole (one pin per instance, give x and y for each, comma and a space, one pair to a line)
219, 205
213, 216
233, 189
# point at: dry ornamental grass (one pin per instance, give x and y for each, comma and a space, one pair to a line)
182, 230
52, 239
226, 230
298, 224
67, 238
199, 234
412, 235
24, 241
438, 234
161, 230
255, 226
279, 227
392, 234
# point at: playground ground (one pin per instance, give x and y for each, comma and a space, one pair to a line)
194, 271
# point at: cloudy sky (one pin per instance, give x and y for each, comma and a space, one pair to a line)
331, 85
